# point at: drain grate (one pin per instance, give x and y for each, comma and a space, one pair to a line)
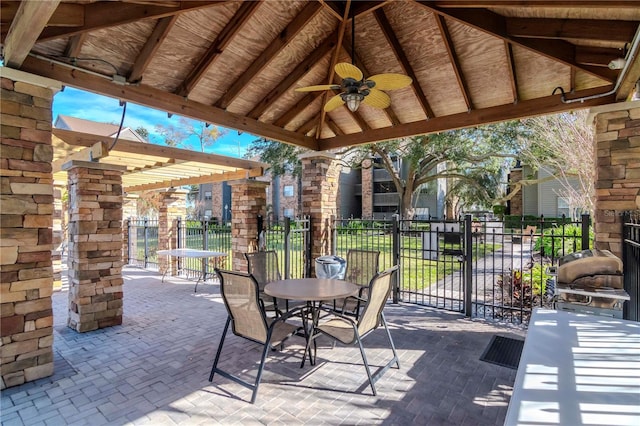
503, 351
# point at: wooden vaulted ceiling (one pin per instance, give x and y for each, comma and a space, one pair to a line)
236, 64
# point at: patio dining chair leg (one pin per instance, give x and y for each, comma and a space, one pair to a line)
215, 362
393, 347
366, 365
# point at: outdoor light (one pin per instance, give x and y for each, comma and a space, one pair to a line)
352, 100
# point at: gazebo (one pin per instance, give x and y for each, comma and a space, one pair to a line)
237, 64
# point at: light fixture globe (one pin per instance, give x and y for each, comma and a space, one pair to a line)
352, 100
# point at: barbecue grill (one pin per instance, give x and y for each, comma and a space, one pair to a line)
590, 281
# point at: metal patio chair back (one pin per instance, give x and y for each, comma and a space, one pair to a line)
362, 267
247, 318
264, 267
348, 331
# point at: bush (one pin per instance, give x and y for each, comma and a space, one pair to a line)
561, 241
521, 222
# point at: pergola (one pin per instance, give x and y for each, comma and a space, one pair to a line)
236, 64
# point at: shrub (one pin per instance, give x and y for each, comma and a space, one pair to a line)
561, 241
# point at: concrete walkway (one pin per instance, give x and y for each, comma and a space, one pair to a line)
153, 369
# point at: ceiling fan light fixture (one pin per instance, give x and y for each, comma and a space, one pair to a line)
352, 100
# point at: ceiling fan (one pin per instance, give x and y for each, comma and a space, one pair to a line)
355, 88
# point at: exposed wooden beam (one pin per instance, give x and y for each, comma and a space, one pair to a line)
333, 8
298, 72
342, 26
583, 29
163, 101
31, 17
149, 49
92, 153
334, 127
65, 15
233, 27
495, 25
296, 109
451, 52
101, 15
74, 45
308, 125
389, 34
149, 149
283, 39
355, 116
477, 117
512, 71
219, 177
364, 7
597, 56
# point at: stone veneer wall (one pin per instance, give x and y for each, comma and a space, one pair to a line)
367, 189
320, 173
618, 170
515, 204
173, 205
217, 206
26, 239
248, 200
95, 245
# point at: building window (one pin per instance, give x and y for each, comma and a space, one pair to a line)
288, 212
563, 207
207, 214
288, 190
207, 195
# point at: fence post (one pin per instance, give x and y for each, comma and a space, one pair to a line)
334, 236
307, 249
468, 262
395, 256
178, 234
287, 253
586, 221
146, 242
129, 241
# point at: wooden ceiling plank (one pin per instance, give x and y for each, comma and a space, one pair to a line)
334, 127
333, 8
296, 109
308, 125
332, 64
149, 49
364, 7
538, 3
298, 72
74, 46
233, 27
220, 177
283, 39
101, 15
527, 108
495, 25
29, 21
581, 29
161, 100
451, 51
512, 71
389, 34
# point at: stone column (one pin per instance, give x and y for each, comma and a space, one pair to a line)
26, 239
248, 200
173, 204
618, 170
367, 190
129, 212
320, 173
95, 245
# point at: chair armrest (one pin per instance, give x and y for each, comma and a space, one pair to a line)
339, 315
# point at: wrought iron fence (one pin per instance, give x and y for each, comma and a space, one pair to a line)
203, 235
143, 242
631, 259
290, 238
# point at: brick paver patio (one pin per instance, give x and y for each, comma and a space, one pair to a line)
153, 369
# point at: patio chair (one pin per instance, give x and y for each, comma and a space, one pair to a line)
248, 319
263, 265
346, 330
362, 267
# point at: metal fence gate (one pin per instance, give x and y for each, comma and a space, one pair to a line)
291, 239
631, 260
143, 242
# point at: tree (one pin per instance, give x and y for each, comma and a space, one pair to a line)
178, 135
563, 145
143, 132
282, 158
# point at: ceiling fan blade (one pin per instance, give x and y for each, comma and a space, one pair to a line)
346, 70
390, 81
333, 103
318, 87
377, 99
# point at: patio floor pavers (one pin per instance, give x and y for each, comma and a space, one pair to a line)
153, 369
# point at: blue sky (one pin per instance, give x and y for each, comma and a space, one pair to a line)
89, 106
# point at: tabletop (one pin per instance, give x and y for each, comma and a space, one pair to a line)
186, 252
311, 289
577, 369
